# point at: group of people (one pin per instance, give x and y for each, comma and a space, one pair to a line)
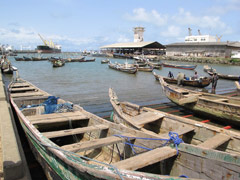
181, 76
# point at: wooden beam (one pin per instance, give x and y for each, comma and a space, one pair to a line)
93, 144
30, 98
188, 99
59, 119
215, 141
37, 93
147, 117
68, 132
181, 131
16, 85
22, 89
147, 158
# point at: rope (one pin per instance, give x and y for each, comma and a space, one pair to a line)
173, 137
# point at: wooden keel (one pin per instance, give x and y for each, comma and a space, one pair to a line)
147, 158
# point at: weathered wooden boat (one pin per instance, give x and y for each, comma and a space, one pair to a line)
220, 107
71, 143
6, 66
80, 59
19, 59
105, 61
123, 67
182, 66
196, 135
155, 65
89, 60
206, 68
225, 76
40, 58
58, 63
201, 82
145, 69
27, 58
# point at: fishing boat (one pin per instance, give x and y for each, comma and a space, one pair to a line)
145, 69
200, 82
58, 63
206, 68
198, 136
39, 58
155, 65
19, 59
131, 69
89, 60
105, 61
6, 66
182, 66
80, 59
27, 58
225, 76
220, 107
71, 143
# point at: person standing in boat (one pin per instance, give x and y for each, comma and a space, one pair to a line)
195, 76
170, 74
180, 78
214, 82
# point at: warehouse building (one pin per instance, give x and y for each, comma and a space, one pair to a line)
203, 49
137, 47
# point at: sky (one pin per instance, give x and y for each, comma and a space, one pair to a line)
79, 25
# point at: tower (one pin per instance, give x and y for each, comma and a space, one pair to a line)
138, 34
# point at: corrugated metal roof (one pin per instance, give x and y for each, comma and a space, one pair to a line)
129, 45
233, 44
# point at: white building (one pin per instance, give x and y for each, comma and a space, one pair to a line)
138, 34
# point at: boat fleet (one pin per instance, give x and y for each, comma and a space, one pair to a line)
141, 143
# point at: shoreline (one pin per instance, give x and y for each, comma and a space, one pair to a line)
204, 60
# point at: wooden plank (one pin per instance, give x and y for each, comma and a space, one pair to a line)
54, 116
68, 132
188, 99
147, 158
93, 144
221, 100
30, 98
16, 85
237, 85
181, 131
58, 119
215, 141
14, 95
147, 117
22, 89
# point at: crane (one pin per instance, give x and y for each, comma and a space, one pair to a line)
218, 38
46, 42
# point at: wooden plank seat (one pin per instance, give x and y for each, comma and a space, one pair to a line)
221, 100
22, 89
180, 132
17, 85
146, 117
93, 144
56, 117
147, 158
30, 98
68, 132
215, 141
35, 93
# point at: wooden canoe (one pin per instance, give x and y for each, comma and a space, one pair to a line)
195, 134
124, 68
71, 143
225, 76
201, 82
182, 66
221, 108
58, 63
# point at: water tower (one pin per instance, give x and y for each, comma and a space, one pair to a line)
138, 34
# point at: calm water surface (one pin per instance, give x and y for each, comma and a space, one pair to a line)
87, 84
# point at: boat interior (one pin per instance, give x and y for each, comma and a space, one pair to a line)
190, 131
97, 140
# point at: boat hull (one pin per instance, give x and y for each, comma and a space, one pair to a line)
188, 67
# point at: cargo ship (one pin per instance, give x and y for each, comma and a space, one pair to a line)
48, 47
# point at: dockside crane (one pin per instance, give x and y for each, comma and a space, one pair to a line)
46, 42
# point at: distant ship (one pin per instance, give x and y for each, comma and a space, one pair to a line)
48, 47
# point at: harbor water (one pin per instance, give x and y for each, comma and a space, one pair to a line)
87, 83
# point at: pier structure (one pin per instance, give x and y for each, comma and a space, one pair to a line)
13, 164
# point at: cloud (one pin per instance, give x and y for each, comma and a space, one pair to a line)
152, 17
224, 7
172, 31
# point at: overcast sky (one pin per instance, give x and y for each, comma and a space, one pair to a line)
90, 24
